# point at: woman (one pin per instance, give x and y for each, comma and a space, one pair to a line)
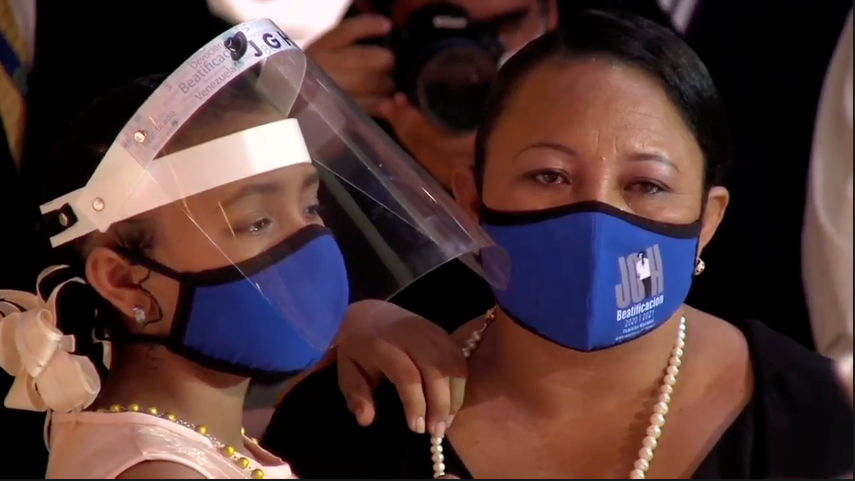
438, 150
600, 141
190, 219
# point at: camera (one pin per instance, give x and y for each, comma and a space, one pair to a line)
445, 64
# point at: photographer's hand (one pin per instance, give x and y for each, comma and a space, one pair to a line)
363, 71
438, 150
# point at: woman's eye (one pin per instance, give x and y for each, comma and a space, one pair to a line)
648, 188
550, 178
256, 228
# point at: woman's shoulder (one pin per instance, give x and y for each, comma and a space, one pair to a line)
778, 362
802, 417
796, 376
314, 431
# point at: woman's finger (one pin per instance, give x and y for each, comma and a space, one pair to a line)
356, 387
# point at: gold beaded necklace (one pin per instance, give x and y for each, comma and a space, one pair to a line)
229, 452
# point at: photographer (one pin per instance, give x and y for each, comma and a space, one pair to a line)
423, 68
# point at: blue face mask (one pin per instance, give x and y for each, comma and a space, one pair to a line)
589, 276
224, 322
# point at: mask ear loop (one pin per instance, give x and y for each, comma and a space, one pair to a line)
146, 322
124, 334
152, 266
159, 317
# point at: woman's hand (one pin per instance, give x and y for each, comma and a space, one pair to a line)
424, 363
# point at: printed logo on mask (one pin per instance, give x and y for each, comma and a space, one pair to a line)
641, 290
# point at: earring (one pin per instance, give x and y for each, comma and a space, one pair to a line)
699, 267
139, 315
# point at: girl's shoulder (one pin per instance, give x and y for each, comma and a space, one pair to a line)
92, 445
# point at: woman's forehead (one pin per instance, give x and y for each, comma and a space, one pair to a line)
590, 87
594, 98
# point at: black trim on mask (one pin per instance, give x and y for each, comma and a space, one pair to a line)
207, 361
240, 270
530, 329
190, 281
507, 218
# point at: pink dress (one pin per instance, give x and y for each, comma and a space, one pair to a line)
92, 445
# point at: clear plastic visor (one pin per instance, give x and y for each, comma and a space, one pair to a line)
251, 161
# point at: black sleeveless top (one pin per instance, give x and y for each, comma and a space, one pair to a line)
797, 425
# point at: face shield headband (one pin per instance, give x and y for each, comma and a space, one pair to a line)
130, 180
392, 223
222, 321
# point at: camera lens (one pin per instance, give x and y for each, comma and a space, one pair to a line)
452, 85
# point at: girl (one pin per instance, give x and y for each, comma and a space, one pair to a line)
187, 215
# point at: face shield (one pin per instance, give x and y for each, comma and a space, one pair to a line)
277, 202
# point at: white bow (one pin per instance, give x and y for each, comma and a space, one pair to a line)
38, 355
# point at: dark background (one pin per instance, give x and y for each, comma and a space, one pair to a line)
82, 50
768, 59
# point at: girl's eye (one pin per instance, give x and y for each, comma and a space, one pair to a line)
550, 178
313, 211
256, 228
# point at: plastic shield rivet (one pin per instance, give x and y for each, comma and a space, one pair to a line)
139, 136
98, 204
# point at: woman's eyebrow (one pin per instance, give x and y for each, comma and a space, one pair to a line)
639, 157
551, 146
653, 157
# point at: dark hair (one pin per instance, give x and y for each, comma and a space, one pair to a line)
76, 156
635, 41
